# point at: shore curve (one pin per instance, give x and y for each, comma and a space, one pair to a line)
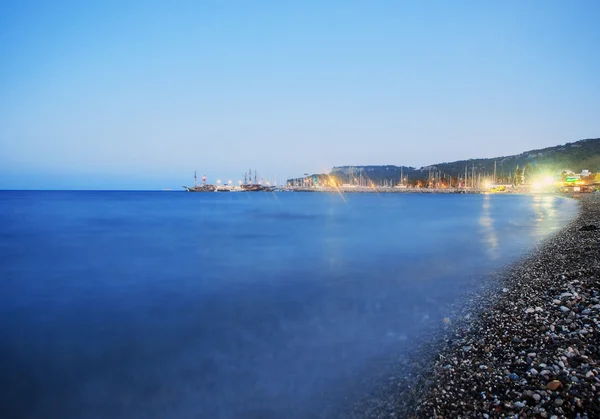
528, 346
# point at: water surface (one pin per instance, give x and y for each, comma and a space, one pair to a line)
233, 305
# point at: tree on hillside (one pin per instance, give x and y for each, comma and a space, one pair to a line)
527, 173
518, 176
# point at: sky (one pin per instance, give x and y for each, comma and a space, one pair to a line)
140, 94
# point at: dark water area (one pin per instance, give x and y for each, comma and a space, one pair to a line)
233, 305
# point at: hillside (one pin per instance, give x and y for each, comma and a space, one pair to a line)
584, 154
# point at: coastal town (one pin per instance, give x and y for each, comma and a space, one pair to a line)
564, 181
561, 182
567, 168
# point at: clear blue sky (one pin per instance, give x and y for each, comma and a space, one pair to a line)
123, 94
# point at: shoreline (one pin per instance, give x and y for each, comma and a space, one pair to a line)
376, 190
528, 345
521, 190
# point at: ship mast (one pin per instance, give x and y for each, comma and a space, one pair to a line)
195, 182
494, 172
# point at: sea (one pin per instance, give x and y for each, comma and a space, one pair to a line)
235, 305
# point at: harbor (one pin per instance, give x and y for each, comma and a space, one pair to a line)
250, 184
519, 174
548, 185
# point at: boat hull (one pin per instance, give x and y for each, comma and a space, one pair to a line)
205, 188
252, 188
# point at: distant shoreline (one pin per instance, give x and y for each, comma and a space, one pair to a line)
375, 190
383, 190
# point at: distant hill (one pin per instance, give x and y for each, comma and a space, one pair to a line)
376, 173
584, 154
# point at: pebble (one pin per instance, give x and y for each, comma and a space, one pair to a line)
553, 385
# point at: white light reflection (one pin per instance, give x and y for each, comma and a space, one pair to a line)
487, 223
544, 209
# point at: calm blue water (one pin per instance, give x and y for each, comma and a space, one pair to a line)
176, 305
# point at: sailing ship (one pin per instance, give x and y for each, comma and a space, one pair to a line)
248, 186
200, 188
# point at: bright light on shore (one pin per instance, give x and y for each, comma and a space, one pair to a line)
548, 180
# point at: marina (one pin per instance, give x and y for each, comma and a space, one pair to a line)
248, 185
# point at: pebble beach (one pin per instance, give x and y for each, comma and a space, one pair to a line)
528, 346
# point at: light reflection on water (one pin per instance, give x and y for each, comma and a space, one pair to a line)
486, 221
546, 217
